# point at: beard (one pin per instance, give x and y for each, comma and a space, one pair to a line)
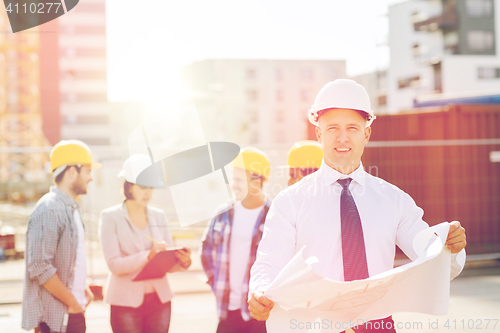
79, 187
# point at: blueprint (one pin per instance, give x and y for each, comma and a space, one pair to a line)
305, 301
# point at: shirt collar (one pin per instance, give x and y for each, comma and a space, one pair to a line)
123, 208
330, 175
64, 197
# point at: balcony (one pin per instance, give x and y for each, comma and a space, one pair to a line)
446, 21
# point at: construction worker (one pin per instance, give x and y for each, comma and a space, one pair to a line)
352, 220
304, 158
231, 239
55, 290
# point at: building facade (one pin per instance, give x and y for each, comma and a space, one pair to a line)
375, 84
257, 102
442, 47
23, 145
84, 107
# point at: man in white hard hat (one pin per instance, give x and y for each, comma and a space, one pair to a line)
352, 221
230, 243
55, 289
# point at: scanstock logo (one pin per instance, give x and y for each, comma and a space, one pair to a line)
26, 14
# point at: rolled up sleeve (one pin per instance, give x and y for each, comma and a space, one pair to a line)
42, 237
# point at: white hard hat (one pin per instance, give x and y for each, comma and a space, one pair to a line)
135, 165
341, 94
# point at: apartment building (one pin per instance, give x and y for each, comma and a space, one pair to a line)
257, 102
447, 47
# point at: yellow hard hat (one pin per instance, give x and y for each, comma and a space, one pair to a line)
71, 152
305, 154
253, 160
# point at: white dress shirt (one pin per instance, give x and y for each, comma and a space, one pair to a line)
308, 214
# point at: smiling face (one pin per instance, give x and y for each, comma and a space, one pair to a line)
343, 134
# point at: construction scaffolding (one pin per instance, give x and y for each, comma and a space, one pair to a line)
23, 145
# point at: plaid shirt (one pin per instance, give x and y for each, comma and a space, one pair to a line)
51, 244
215, 257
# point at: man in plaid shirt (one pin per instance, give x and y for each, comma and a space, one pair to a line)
55, 291
230, 243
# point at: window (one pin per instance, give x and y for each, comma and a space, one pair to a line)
307, 74
254, 137
334, 75
93, 120
86, 120
279, 75
306, 95
91, 7
251, 74
12, 98
450, 40
69, 29
419, 50
303, 113
96, 141
280, 116
480, 40
409, 82
71, 120
70, 52
90, 97
488, 73
69, 75
252, 95
83, 52
253, 117
70, 97
416, 50
418, 17
89, 29
280, 136
479, 8
382, 100
280, 95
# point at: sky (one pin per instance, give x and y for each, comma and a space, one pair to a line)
149, 41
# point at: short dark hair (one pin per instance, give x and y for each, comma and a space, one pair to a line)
60, 176
126, 190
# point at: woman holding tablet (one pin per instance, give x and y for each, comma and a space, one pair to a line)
131, 233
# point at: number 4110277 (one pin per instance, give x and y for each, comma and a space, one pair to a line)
34, 8
471, 324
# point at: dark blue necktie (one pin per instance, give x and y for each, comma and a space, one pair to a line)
353, 243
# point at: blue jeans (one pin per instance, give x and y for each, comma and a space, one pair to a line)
152, 316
